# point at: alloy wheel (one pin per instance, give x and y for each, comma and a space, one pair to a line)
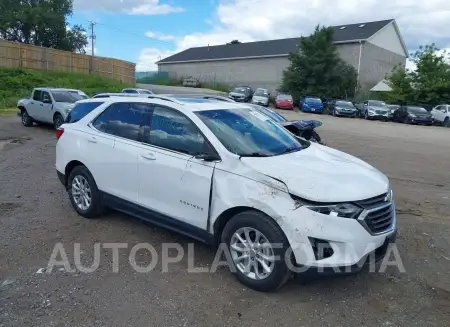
252, 253
24, 117
81, 192
58, 121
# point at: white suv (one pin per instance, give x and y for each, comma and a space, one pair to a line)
223, 173
441, 114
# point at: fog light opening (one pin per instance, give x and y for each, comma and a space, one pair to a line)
321, 248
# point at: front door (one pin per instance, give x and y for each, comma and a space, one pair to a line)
46, 108
171, 181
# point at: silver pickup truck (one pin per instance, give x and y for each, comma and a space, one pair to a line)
48, 105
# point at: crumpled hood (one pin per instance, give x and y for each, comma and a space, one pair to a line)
322, 174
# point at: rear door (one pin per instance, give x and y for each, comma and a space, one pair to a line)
120, 129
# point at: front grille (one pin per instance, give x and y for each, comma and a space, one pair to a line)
379, 216
380, 112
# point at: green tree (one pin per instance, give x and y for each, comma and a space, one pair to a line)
429, 83
234, 42
317, 69
41, 23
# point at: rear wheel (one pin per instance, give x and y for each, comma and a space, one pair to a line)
258, 247
27, 121
447, 122
83, 193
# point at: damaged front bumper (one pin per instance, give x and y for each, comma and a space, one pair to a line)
346, 242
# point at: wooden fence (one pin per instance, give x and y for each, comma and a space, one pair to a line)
39, 58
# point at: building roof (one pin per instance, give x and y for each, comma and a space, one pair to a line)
281, 47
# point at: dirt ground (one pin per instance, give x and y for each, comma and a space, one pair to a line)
35, 214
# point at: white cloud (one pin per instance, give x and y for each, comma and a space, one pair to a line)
132, 7
159, 36
420, 22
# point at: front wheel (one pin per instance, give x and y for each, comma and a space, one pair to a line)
447, 122
258, 248
27, 121
58, 120
366, 115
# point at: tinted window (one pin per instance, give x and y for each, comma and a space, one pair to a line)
271, 114
313, 100
37, 95
376, 103
66, 96
145, 92
127, 120
284, 97
345, 104
101, 96
247, 132
129, 91
417, 110
174, 131
80, 110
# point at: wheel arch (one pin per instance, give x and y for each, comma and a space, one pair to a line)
225, 216
69, 167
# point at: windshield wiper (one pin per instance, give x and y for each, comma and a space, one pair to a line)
290, 149
254, 154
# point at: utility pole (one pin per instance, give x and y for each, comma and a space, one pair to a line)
92, 37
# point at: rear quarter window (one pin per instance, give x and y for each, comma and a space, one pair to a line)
80, 111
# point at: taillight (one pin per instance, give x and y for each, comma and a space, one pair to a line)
59, 133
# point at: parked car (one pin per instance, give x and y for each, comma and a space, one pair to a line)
138, 91
108, 95
441, 114
342, 108
413, 115
201, 96
312, 104
284, 101
247, 87
259, 190
261, 97
240, 94
374, 109
48, 105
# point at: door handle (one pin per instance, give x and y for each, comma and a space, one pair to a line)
92, 140
148, 156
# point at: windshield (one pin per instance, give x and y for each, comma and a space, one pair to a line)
377, 104
247, 132
66, 96
345, 104
313, 100
238, 90
417, 110
271, 114
261, 93
284, 97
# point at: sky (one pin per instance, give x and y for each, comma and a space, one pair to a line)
145, 31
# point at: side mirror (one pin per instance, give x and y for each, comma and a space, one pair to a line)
47, 101
366, 104
207, 157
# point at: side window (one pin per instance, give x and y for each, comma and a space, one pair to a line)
127, 120
80, 110
46, 97
366, 102
172, 130
130, 91
37, 95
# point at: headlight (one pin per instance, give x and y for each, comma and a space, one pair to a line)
344, 210
412, 115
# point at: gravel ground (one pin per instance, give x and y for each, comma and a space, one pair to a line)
35, 214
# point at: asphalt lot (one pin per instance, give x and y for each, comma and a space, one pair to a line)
35, 214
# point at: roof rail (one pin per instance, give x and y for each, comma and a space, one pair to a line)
165, 98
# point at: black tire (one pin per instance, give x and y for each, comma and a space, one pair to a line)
406, 120
27, 121
58, 120
96, 207
270, 229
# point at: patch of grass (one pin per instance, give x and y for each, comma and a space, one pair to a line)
17, 83
8, 111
